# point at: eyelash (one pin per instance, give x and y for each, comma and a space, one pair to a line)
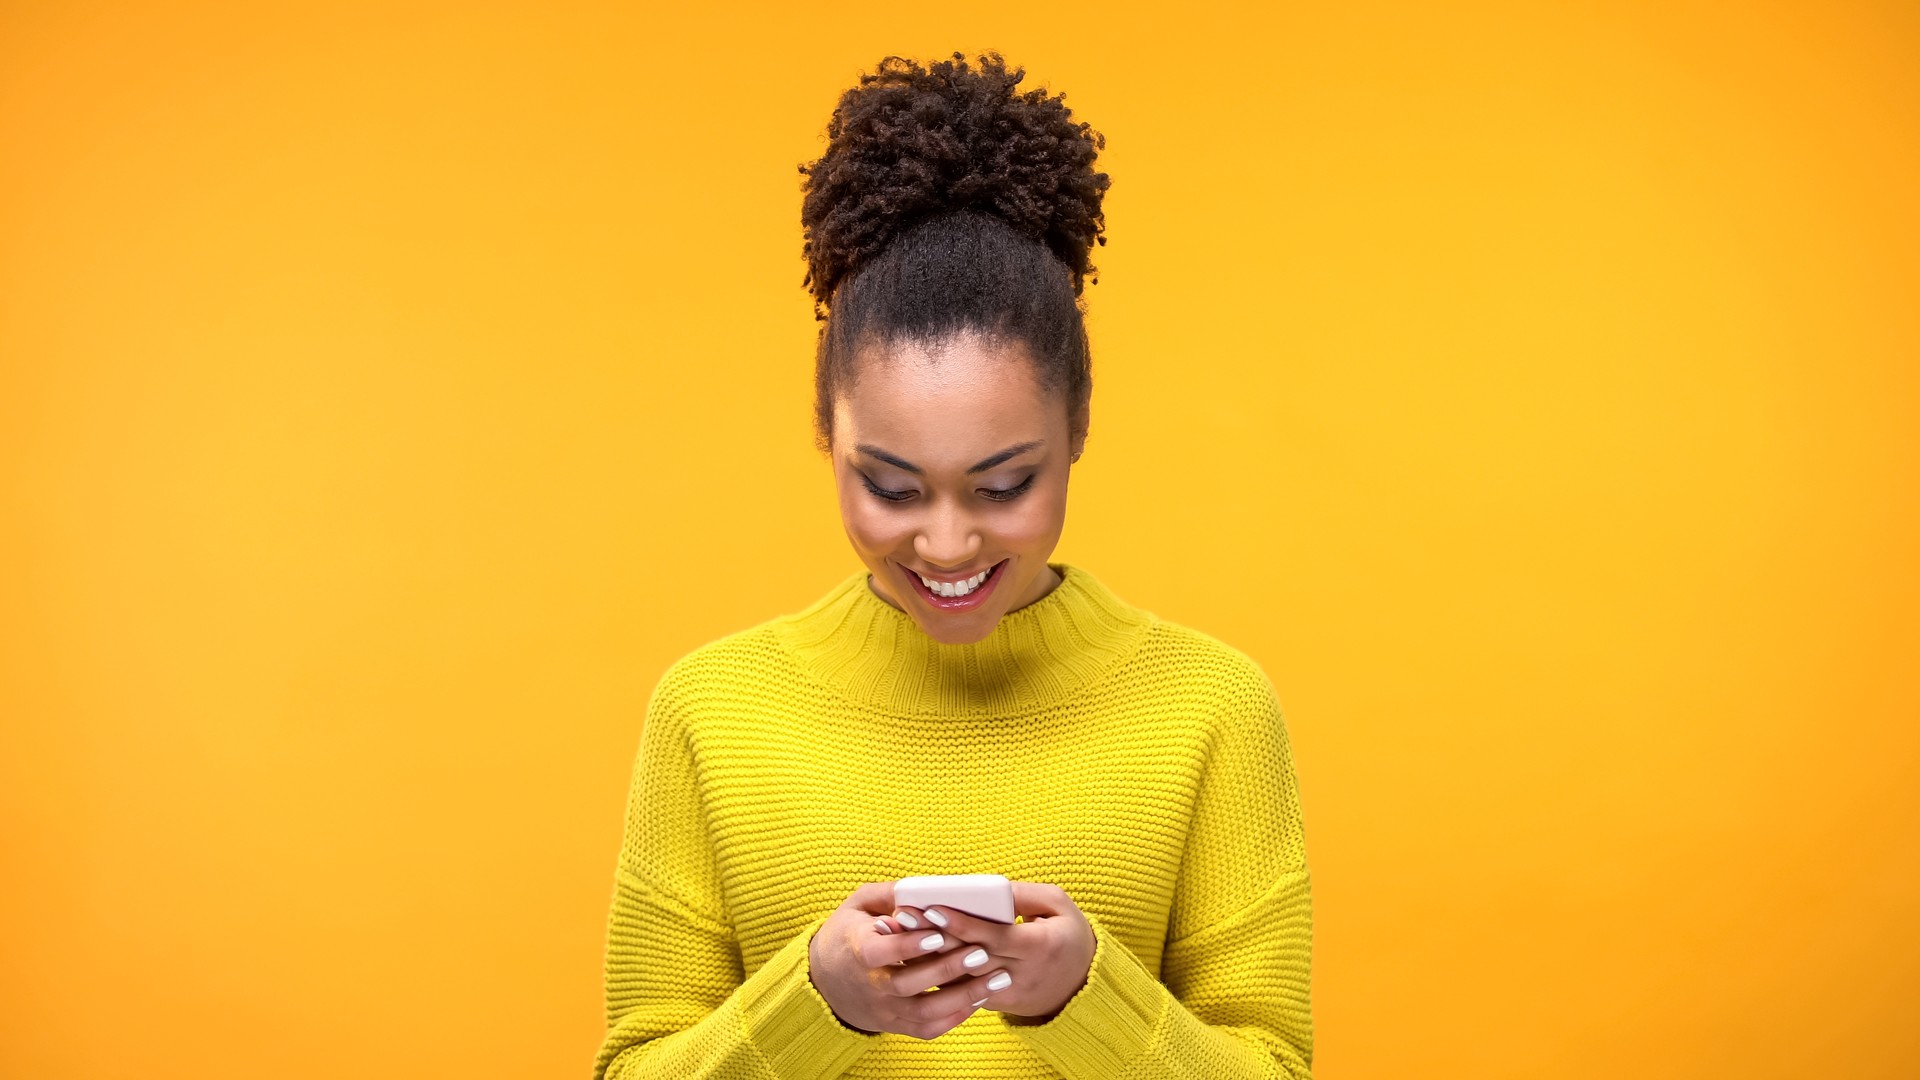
997, 496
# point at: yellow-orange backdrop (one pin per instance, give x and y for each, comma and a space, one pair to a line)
387, 395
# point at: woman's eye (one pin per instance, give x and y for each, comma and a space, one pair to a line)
1009, 493
996, 494
890, 496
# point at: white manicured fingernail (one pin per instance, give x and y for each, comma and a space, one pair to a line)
882, 925
979, 1003
936, 918
1000, 981
975, 958
931, 941
907, 920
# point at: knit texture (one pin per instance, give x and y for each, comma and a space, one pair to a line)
1140, 765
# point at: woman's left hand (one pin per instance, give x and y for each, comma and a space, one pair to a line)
1048, 954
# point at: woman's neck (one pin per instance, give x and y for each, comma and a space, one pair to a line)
1040, 654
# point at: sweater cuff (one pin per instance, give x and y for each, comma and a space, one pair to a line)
1109, 1023
796, 1030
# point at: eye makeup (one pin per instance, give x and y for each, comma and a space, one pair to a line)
997, 495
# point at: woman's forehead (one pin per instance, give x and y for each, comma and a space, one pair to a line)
948, 408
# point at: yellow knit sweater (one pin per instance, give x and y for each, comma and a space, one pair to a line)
1140, 765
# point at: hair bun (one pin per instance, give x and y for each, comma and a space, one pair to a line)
909, 142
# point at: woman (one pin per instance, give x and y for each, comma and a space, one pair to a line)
960, 705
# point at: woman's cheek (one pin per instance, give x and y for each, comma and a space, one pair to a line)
1039, 521
873, 531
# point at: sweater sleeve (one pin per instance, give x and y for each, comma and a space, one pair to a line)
677, 1004
1232, 999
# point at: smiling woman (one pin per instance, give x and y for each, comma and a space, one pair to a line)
930, 515
963, 704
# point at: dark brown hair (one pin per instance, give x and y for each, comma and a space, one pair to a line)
948, 202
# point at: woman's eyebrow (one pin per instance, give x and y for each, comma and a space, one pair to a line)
986, 463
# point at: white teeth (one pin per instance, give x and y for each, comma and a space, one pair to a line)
959, 588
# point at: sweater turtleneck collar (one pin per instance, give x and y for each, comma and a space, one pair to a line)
871, 652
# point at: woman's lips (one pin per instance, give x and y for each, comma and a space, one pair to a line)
955, 603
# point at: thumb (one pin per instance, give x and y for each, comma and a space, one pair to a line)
1037, 898
875, 897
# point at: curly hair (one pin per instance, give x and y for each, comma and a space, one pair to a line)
947, 201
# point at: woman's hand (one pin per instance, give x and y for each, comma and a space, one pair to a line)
1048, 954
877, 979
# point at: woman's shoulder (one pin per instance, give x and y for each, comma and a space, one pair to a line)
1224, 687
740, 659
1196, 655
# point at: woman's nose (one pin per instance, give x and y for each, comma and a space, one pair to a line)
949, 542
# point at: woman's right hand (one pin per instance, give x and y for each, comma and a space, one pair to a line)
878, 981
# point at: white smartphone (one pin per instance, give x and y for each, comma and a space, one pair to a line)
987, 896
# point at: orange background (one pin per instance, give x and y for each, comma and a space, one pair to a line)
387, 396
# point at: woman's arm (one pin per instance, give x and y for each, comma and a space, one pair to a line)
677, 1003
1232, 999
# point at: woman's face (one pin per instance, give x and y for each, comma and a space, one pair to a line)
970, 459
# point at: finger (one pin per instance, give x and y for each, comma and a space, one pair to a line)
913, 919
885, 925
1038, 898
879, 950
961, 995
1001, 939
932, 1028
956, 965
874, 896
932, 969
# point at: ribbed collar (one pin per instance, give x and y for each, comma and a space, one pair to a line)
1038, 655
